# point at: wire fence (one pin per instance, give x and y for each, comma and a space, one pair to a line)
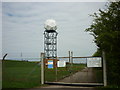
23, 56
21, 69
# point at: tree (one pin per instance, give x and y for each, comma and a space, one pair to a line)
106, 31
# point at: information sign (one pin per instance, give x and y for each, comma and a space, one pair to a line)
94, 62
50, 64
61, 63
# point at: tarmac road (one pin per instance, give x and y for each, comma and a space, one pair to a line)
85, 76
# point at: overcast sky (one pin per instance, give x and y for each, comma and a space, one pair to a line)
23, 26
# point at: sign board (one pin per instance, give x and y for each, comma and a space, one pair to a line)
50, 64
94, 62
61, 64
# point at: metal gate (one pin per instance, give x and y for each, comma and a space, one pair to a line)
76, 71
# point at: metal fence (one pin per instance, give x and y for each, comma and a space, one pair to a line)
75, 70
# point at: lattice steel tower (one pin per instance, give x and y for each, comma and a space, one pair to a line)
50, 39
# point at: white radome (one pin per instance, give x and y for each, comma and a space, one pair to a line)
50, 24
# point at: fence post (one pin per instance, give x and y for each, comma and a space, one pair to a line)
69, 56
104, 69
4, 56
56, 69
42, 68
71, 62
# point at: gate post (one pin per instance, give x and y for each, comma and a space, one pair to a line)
42, 67
104, 69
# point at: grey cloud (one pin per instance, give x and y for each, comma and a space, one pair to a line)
23, 26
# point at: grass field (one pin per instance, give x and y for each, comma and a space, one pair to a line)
22, 74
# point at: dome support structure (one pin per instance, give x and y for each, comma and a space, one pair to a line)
50, 44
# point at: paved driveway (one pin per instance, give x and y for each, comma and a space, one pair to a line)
85, 76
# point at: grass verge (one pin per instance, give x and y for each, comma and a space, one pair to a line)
23, 74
